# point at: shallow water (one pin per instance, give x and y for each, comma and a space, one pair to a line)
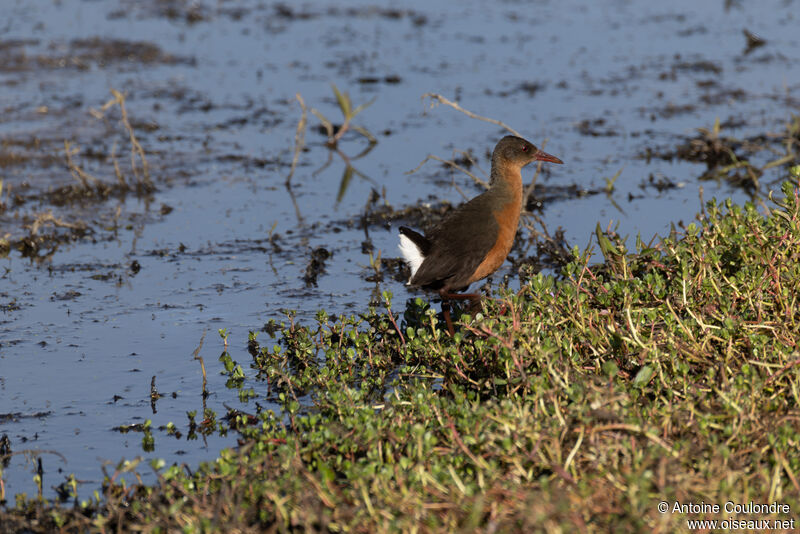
222, 243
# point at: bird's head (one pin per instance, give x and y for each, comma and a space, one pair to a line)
516, 151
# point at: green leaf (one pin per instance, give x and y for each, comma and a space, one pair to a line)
343, 100
643, 376
326, 472
362, 107
606, 246
610, 368
328, 125
347, 177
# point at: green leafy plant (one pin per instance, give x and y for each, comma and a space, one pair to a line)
348, 114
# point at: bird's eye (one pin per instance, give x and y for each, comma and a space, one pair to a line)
524, 148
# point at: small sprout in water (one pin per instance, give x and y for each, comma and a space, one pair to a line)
348, 113
148, 442
246, 394
611, 181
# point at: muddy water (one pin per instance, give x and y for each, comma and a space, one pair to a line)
120, 284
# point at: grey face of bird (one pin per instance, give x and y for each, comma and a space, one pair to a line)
519, 152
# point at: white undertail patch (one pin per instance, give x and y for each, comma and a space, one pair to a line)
412, 254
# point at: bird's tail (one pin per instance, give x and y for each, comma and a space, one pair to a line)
413, 247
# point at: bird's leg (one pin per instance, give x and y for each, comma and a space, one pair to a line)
447, 319
473, 298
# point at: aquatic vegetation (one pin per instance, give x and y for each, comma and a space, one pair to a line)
130, 179
732, 159
334, 133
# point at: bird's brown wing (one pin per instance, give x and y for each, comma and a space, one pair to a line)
457, 246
